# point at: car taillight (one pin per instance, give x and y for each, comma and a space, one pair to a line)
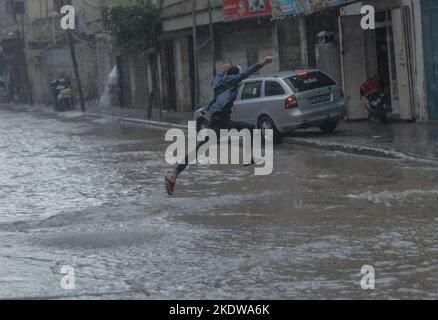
290, 102
341, 91
303, 74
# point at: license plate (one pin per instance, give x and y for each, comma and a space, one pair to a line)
319, 99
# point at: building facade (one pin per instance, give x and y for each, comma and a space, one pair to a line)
393, 51
13, 69
48, 47
429, 18
401, 50
237, 38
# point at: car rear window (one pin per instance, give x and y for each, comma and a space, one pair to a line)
252, 90
273, 88
306, 81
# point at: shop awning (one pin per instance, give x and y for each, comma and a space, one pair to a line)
282, 8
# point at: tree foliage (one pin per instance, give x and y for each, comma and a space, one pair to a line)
134, 28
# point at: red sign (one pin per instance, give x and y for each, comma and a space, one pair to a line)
240, 9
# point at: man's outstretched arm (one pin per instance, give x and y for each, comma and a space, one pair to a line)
236, 79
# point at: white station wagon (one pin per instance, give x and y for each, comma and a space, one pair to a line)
287, 101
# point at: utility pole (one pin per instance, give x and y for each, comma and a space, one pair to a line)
29, 91
213, 48
196, 48
76, 69
195, 56
75, 64
303, 40
22, 54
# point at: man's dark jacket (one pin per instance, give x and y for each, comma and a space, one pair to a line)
225, 88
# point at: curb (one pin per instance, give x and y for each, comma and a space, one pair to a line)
362, 151
152, 123
311, 143
349, 148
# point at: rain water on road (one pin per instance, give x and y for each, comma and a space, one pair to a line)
89, 193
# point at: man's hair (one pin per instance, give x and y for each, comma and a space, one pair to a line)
235, 69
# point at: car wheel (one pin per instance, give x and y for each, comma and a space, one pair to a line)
201, 124
266, 123
328, 127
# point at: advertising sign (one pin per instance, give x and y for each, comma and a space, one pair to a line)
281, 8
240, 9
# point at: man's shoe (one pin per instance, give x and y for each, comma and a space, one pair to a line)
250, 164
170, 182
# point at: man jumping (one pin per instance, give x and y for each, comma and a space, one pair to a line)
225, 86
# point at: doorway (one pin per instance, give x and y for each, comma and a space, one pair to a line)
430, 35
385, 61
383, 52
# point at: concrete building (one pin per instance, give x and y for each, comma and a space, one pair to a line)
48, 48
401, 49
429, 18
393, 51
6, 19
5, 22
243, 40
12, 50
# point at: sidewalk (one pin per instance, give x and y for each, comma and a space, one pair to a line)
180, 118
397, 140
136, 115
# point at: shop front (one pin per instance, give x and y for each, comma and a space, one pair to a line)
429, 10
389, 51
385, 51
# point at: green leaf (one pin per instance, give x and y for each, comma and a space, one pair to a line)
134, 28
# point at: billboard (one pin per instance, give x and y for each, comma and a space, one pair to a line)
281, 8
240, 9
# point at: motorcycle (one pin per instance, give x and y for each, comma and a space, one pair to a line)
63, 95
372, 92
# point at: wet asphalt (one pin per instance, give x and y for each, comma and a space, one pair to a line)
88, 193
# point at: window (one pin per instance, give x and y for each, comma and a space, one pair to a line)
58, 4
8, 8
252, 90
309, 80
18, 8
273, 88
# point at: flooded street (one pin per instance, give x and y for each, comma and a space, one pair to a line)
89, 193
